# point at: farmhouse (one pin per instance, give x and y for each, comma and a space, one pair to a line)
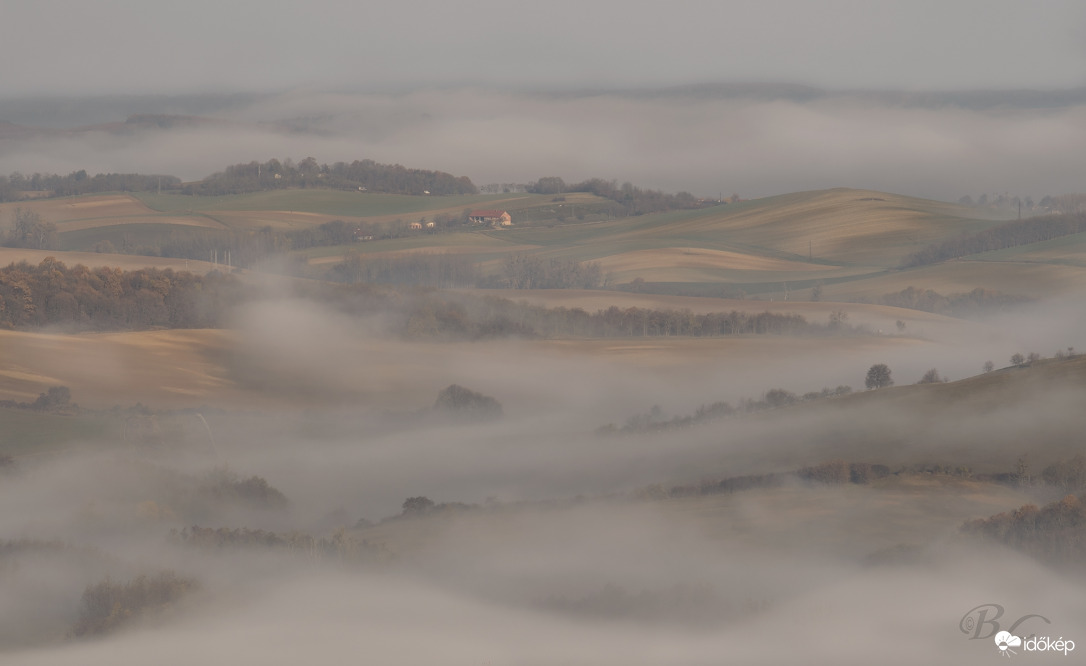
498, 218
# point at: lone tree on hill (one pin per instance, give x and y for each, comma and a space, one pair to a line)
1018, 359
464, 402
56, 398
416, 506
878, 376
931, 377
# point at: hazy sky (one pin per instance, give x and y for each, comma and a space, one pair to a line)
88, 47
456, 86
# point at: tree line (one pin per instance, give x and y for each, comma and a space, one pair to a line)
833, 472
438, 269
633, 200
359, 175
80, 298
975, 303
655, 421
524, 271
1011, 234
17, 186
110, 604
1055, 532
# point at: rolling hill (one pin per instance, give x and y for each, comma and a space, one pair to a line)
762, 247
850, 242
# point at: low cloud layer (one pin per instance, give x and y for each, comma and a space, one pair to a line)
563, 559
708, 141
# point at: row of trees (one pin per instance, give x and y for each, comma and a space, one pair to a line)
654, 420
972, 304
17, 186
638, 322
461, 316
1063, 203
109, 298
1055, 532
340, 546
110, 604
878, 376
365, 175
441, 269
1011, 234
634, 200
833, 472
523, 271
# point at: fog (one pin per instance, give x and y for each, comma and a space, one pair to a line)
566, 553
120, 46
301, 487
710, 140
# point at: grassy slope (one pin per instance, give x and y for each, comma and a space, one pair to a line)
837, 226
983, 393
760, 244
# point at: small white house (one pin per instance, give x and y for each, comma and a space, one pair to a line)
497, 218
